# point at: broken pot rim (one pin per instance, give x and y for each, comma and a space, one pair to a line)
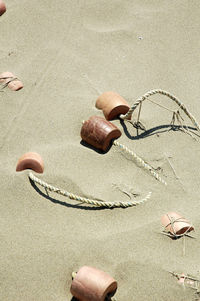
30, 160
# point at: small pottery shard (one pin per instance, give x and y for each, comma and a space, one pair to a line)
99, 132
2, 8
175, 224
91, 284
181, 280
112, 105
30, 161
9, 79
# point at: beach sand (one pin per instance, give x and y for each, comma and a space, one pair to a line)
67, 53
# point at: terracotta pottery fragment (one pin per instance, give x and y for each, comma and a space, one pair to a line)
91, 284
2, 8
30, 161
9, 79
112, 105
175, 224
99, 132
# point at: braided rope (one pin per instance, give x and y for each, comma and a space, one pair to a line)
86, 200
128, 115
140, 161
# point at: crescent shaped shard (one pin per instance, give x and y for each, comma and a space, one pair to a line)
32, 161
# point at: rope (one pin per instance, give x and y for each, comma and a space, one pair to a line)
74, 275
140, 161
11, 80
128, 115
86, 200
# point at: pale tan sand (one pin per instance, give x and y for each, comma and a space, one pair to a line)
67, 53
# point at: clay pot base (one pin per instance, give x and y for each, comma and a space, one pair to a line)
175, 225
30, 161
2, 8
112, 105
8, 79
99, 132
91, 284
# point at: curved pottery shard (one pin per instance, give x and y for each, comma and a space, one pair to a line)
2, 8
99, 132
9, 79
176, 224
30, 161
91, 284
112, 105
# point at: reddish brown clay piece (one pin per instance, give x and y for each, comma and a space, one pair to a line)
2, 7
8, 78
175, 224
99, 132
112, 105
91, 284
30, 161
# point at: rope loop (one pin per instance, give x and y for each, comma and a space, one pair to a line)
128, 115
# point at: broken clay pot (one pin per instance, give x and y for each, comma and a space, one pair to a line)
112, 105
30, 161
91, 284
2, 8
11, 81
176, 224
99, 132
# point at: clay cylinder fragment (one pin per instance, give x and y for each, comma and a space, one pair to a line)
91, 284
2, 7
30, 161
112, 105
99, 132
10, 79
176, 224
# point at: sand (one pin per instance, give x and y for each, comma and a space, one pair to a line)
67, 53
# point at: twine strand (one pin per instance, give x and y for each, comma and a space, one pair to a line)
172, 221
87, 200
6, 84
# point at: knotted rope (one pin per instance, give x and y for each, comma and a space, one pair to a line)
128, 115
140, 161
86, 200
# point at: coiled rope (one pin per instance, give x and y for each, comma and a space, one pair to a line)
86, 200
128, 115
